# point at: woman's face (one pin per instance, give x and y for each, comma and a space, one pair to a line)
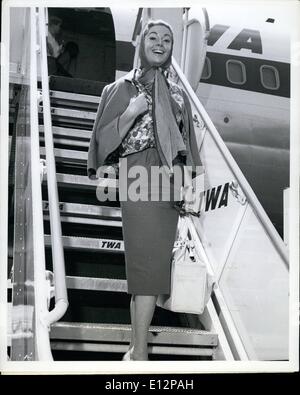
158, 45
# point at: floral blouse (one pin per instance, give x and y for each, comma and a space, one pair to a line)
141, 135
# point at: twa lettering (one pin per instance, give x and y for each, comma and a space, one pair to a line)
116, 245
246, 39
216, 197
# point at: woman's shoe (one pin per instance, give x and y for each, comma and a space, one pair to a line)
127, 356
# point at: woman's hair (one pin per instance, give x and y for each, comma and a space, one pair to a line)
155, 22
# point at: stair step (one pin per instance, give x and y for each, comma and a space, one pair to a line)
65, 155
186, 352
68, 142
87, 214
72, 138
68, 132
159, 335
87, 210
87, 221
96, 284
73, 97
89, 243
70, 113
73, 100
76, 181
76, 85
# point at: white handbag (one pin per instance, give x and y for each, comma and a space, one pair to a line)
191, 284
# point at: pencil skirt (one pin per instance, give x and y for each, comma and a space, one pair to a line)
149, 232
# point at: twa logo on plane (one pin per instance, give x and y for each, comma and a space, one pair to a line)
247, 39
214, 198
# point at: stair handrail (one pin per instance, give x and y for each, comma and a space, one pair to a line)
60, 287
233, 335
42, 341
247, 190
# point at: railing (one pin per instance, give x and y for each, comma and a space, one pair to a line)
31, 318
243, 183
4, 143
248, 257
40, 283
29, 337
61, 298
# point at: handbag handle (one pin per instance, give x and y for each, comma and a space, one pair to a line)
183, 229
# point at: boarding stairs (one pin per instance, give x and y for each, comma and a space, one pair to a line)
98, 318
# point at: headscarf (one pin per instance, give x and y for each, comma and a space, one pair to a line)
168, 138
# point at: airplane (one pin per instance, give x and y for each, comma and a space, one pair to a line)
241, 74
244, 83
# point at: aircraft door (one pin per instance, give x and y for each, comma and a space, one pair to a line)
124, 26
195, 33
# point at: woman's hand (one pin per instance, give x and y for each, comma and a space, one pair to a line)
137, 106
190, 202
188, 195
192, 192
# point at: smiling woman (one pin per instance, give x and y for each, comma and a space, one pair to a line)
158, 45
145, 120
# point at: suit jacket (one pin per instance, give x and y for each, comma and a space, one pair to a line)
105, 135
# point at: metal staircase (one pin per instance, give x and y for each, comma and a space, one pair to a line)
98, 318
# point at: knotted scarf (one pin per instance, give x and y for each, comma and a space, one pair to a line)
168, 138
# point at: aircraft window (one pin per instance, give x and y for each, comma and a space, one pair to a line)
236, 72
269, 77
206, 73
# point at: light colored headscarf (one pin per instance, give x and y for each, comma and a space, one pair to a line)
168, 137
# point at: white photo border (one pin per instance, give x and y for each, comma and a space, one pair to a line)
119, 367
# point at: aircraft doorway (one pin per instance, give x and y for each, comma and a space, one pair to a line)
88, 39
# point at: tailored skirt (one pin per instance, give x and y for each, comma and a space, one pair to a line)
149, 225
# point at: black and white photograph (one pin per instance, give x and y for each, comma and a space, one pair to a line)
149, 182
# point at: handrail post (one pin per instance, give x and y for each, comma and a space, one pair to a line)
61, 299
